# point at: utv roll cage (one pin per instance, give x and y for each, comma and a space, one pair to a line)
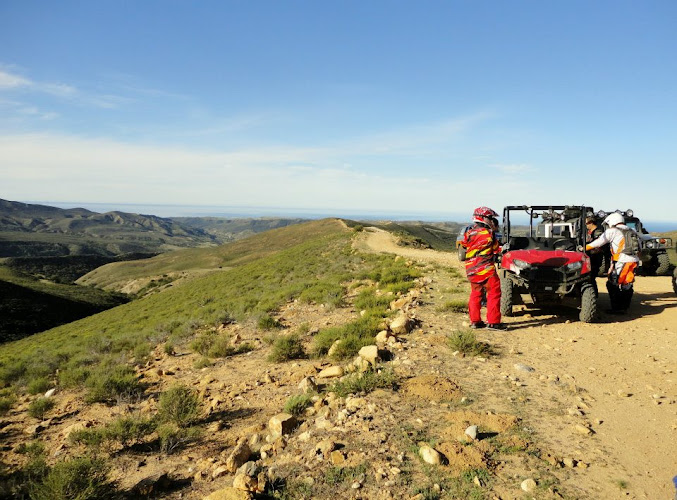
561, 227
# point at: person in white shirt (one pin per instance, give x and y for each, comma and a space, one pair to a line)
624, 261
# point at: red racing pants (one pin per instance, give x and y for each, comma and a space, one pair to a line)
492, 288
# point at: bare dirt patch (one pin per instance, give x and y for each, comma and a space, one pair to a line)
432, 388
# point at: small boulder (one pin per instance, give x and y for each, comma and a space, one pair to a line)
281, 424
400, 324
239, 456
331, 372
228, 494
429, 455
370, 353
308, 384
471, 432
528, 485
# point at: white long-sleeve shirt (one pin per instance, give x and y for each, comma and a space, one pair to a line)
614, 235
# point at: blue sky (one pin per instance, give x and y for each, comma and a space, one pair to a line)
408, 107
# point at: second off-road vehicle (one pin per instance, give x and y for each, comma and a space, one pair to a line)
654, 253
545, 259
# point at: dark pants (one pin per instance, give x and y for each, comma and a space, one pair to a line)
596, 261
620, 297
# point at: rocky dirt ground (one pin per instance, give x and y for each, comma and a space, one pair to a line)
563, 409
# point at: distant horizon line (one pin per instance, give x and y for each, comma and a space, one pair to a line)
181, 210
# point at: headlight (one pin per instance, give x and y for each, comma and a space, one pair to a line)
650, 244
629, 213
519, 265
601, 214
574, 266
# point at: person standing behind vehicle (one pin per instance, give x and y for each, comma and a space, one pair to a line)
596, 254
482, 250
624, 260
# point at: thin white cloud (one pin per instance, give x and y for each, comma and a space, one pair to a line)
68, 168
513, 169
11, 81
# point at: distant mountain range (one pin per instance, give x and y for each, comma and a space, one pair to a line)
28, 230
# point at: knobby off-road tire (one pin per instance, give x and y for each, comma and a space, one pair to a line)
674, 281
461, 253
588, 304
507, 299
663, 267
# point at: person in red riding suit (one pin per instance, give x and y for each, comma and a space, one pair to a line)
482, 249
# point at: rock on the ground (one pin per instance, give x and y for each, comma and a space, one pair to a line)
308, 384
471, 432
239, 456
429, 455
331, 372
281, 424
370, 353
228, 494
528, 485
400, 324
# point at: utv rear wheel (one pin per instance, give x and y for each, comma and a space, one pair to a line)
461, 253
588, 304
663, 266
507, 299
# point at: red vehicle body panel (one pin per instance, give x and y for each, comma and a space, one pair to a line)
549, 258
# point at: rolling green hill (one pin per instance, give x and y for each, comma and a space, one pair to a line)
185, 263
309, 261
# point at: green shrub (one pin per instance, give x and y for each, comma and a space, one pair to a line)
38, 385
367, 299
267, 322
169, 349
296, 405
129, 429
32, 449
39, 407
7, 400
142, 351
354, 336
173, 437
89, 437
337, 475
202, 362
179, 405
112, 383
81, 478
287, 347
325, 292
465, 342
364, 382
454, 305
203, 342
123, 430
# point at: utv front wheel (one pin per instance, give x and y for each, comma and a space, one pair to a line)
674, 281
588, 304
461, 253
663, 264
507, 299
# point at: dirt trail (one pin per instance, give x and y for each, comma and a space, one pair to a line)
615, 376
